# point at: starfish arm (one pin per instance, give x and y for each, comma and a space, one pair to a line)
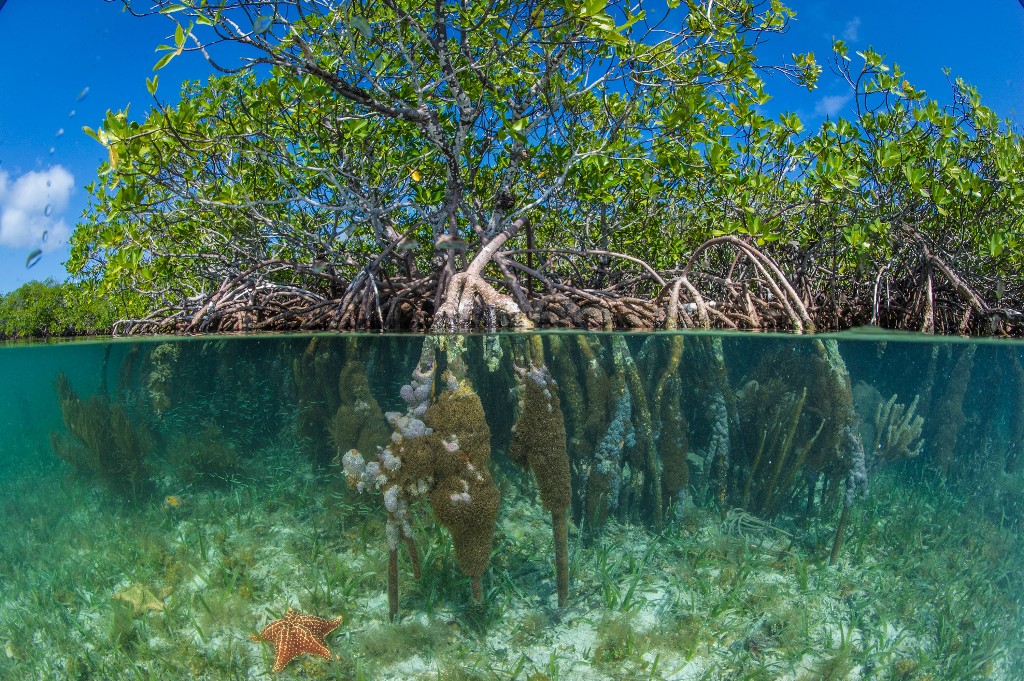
317, 626
310, 643
284, 647
279, 633
282, 659
272, 632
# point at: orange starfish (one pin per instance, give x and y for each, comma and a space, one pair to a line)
295, 634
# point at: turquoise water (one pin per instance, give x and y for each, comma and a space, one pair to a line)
543, 506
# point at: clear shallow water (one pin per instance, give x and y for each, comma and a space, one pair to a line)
735, 506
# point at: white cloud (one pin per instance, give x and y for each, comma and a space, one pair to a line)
850, 30
830, 105
32, 205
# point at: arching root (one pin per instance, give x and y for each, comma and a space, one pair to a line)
460, 308
457, 311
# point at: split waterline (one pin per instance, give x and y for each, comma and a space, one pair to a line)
514, 506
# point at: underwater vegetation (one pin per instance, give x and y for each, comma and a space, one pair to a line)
786, 440
205, 457
679, 506
176, 411
101, 442
539, 444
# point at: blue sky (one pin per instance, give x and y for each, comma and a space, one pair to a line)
64, 63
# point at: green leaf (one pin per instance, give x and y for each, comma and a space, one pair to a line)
151, 84
164, 60
995, 245
639, 16
888, 155
361, 25
603, 22
915, 176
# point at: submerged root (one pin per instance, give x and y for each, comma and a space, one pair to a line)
539, 444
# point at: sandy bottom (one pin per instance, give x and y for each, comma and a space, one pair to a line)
927, 588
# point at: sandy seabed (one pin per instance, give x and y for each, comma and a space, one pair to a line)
927, 587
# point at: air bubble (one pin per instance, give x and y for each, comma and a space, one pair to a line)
33, 258
47, 210
83, 93
59, 132
46, 234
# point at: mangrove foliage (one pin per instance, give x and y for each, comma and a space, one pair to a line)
396, 164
